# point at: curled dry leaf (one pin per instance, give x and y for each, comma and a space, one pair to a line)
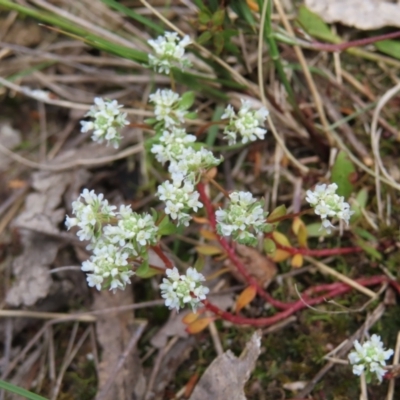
259, 266
362, 14
226, 376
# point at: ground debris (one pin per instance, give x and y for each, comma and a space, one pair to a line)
258, 266
227, 374
362, 14
113, 334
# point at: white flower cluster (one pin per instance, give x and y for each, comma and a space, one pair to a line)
246, 122
108, 120
178, 199
179, 290
90, 214
127, 234
370, 358
172, 145
167, 107
185, 163
243, 214
169, 51
327, 204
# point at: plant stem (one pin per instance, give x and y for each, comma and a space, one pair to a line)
204, 127
232, 255
336, 289
317, 253
157, 249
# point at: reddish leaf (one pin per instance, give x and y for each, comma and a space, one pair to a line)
297, 261
199, 325
245, 298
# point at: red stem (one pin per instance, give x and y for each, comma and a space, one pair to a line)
353, 43
318, 253
164, 258
337, 289
232, 255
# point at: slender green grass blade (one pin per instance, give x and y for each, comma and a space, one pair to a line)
20, 391
132, 14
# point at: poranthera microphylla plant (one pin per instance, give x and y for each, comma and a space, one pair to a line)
121, 239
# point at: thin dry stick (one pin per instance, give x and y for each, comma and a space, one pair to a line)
51, 353
66, 104
212, 328
280, 141
71, 355
306, 71
46, 315
98, 30
67, 354
11, 212
327, 270
396, 357
8, 331
376, 134
89, 162
363, 385
22, 355
132, 342
356, 161
157, 365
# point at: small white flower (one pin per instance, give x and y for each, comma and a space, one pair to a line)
179, 200
89, 217
178, 290
133, 230
167, 107
169, 51
109, 267
243, 214
107, 121
172, 144
246, 122
370, 358
327, 204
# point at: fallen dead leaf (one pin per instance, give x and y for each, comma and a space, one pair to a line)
362, 14
113, 334
259, 266
226, 376
10, 138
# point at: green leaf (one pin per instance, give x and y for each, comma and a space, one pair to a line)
143, 270
191, 115
359, 203
166, 227
269, 246
315, 26
204, 17
314, 230
365, 234
186, 100
219, 42
389, 47
204, 37
199, 263
150, 121
241, 8
213, 130
20, 391
369, 249
277, 213
218, 17
341, 174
